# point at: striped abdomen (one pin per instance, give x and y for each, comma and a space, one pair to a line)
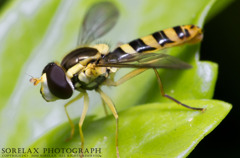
163, 39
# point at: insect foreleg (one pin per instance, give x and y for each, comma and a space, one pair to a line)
79, 96
171, 98
125, 78
110, 104
84, 112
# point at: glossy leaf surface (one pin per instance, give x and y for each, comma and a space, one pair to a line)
151, 130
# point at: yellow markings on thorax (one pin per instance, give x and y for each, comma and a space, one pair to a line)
73, 70
87, 60
92, 71
102, 48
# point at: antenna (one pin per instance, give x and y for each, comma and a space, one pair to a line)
34, 80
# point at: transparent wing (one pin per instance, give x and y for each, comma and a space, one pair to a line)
99, 19
148, 60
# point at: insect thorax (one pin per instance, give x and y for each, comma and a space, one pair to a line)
80, 68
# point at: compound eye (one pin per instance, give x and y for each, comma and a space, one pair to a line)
57, 81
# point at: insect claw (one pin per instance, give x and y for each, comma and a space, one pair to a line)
203, 109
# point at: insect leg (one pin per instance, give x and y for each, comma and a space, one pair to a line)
84, 112
104, 107
79, 96
171, 98
125, 78
110, 104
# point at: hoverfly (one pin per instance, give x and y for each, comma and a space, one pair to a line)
88, 67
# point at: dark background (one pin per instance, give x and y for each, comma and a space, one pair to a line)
221, 44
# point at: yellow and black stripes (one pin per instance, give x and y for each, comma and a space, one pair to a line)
161, 38
170, 37
139, 46
180, 32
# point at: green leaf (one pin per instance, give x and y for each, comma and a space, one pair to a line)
151, 130
33, 33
